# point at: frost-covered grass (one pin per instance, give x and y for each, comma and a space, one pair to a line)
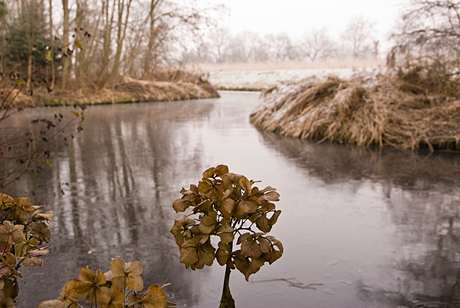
259, 79
290, 65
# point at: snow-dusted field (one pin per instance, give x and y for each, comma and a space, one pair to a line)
262, 78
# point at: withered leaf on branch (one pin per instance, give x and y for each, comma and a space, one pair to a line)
223, 205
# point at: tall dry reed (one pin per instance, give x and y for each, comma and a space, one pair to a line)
382, 110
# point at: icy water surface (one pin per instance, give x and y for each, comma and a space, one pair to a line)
377, 228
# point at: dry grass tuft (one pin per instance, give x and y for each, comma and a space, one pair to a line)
401, 109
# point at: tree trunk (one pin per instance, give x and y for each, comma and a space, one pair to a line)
80, 55
154, 4
53, 73
25, 8
65, 42
121, 33
88, 55
106, 37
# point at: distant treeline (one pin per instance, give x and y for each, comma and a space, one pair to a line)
426, 34
357, 42
93, 43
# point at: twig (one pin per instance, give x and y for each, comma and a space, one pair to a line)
292, 282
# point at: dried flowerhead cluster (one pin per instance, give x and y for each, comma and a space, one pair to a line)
228, 206
23, 228
118, 288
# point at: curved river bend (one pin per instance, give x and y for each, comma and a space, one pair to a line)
378, 228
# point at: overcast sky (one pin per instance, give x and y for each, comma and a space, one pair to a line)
298, 16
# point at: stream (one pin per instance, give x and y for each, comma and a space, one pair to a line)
374, 227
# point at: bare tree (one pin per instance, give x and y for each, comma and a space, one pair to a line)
316, 44
280, 46
429, 31
107, 13
65, 41
169, 22
134, 41
51, 47
243, 46
122, 25
218, 41
359, 37
3, 13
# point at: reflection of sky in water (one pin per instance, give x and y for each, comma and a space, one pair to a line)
376, 227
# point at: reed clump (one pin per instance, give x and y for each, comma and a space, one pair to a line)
410, 109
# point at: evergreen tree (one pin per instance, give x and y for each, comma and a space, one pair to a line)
27, 38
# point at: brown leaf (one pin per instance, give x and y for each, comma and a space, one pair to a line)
76, 289
242, 264
226, 237
206, 255
208, 222
188, 255
243, 237
255, 265
274, 218
226, 207
54, 303
272, 256
6, 201
245, 207
180, 205
211, 188
180, 229
24, 203
272, 196
221, 170
267, 189
209, 173
203, 206
266, 206
264, 244
155, 297
223, 253
246, 184
262, 224
251, 248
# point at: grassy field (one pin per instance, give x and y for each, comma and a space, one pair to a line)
258, 76
263, 66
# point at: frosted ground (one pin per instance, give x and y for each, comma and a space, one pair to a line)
258, 79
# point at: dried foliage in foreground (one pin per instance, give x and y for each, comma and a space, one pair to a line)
23, 229
404, 109
226, 206
118, 288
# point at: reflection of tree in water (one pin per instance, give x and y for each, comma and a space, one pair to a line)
123, 173
423, 198
335, 164
428, 227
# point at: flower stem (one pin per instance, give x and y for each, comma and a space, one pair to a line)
227, 300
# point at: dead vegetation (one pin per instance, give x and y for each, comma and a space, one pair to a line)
410, 109
166, 85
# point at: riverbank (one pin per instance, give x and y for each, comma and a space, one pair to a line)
409, 110
127, 90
